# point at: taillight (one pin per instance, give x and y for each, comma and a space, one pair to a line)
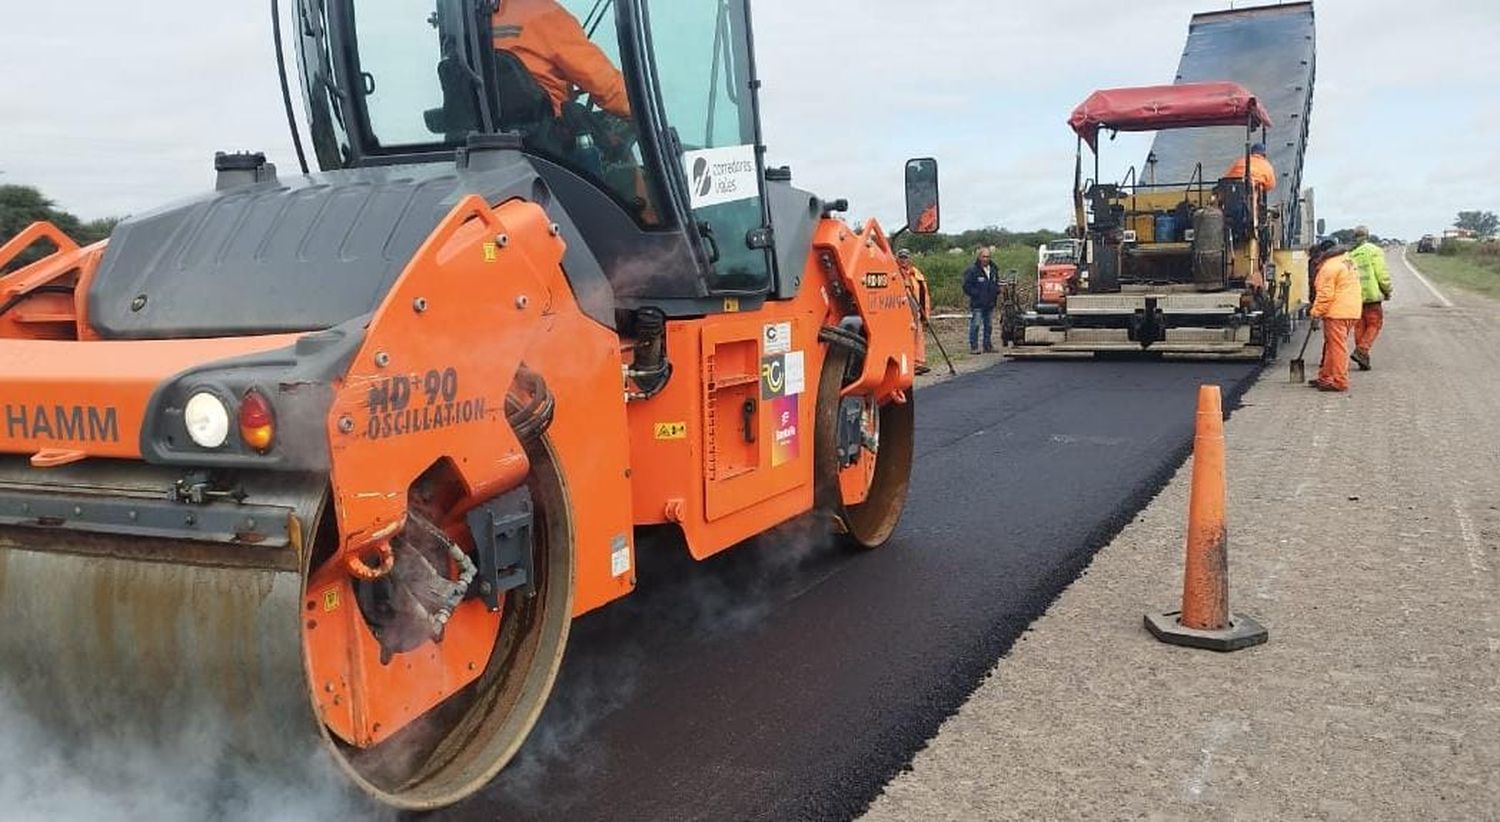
257, 421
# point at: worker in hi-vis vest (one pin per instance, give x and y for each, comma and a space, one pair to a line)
1375, 287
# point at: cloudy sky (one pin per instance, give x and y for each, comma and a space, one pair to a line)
112, 110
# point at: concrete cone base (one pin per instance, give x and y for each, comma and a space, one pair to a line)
1242, 632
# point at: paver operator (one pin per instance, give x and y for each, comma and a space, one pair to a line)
1262, 173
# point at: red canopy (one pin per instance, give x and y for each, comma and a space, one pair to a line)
1155, 108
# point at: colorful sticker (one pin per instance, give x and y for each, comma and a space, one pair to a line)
619, 556
776, 338
772, 377
785, 436
671, 430
796, 373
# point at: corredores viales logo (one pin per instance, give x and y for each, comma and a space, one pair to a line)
703, 177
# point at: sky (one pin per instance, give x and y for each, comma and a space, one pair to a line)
111, 110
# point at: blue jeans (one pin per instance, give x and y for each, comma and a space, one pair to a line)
978, 317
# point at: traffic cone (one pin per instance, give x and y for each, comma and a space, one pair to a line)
1205, 620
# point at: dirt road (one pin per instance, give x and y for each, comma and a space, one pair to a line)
1365, 533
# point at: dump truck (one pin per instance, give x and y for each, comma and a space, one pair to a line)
1178, 259
329, 461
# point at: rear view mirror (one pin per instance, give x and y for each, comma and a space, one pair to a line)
922, 196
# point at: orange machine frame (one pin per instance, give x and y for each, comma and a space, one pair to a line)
724, 452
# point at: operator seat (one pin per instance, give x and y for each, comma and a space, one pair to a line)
1236, 202
524, 105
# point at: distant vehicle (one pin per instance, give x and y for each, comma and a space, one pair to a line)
1056, 267
1427, 245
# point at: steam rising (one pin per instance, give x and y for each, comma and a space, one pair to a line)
186, 776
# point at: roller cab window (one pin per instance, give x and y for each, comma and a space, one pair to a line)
701, 54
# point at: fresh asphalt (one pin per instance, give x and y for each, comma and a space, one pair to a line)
787, 678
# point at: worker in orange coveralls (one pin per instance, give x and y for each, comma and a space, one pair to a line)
1262, 174
553, 46
1338, 303
917, 288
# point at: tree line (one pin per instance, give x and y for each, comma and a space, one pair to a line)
20, 206
974, 238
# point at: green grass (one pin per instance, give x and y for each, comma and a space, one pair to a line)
945, 273
1468, 265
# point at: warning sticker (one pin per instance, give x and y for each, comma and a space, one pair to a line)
331, 600
796, 374
619, 556
671, 430
776, 338
721, 175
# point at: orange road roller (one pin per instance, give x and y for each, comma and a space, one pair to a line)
330, 460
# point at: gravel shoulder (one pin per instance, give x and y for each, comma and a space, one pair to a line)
1365, 534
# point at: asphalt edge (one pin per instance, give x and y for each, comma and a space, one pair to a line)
862, 789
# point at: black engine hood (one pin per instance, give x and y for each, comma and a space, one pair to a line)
299, 254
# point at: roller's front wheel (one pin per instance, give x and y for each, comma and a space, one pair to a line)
863, 456
456, 748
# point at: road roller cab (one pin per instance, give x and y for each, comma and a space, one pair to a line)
1177, 267
334, 458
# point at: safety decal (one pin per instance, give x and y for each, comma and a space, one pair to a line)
671, 430
721, 175
785, 437
330, 600
796, 373
619, 556
776, 338
421, 402
731, 304
491, 252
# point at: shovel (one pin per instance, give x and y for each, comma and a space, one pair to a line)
1299, 368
